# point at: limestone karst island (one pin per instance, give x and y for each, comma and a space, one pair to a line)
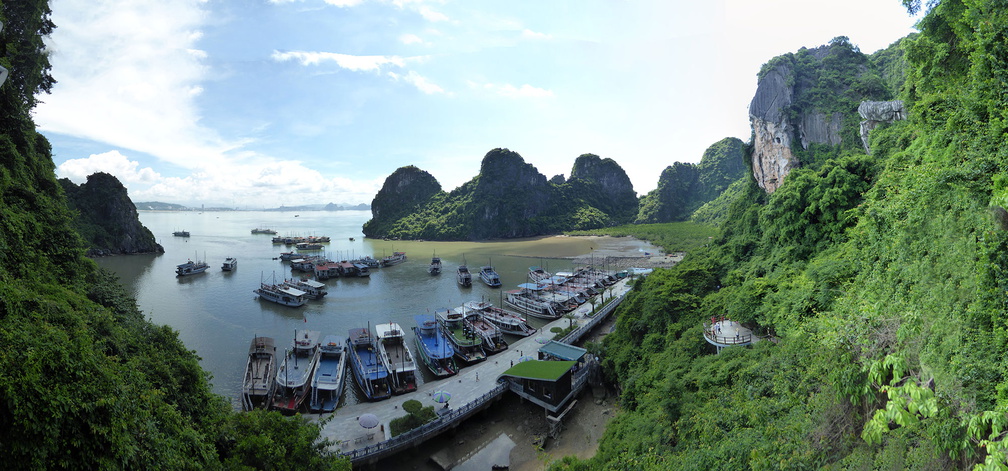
830, 292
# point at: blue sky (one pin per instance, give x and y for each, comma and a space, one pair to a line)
258, 103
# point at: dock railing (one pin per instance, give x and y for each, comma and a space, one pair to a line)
424, 432
594, 320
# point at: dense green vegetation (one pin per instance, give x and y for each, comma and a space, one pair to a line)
684, 187
509, 198
672, 236
881, 280
416, 416
86, 382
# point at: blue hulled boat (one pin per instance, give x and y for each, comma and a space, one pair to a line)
327, 384
433, 347
369, 370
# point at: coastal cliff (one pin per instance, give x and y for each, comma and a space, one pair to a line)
509, 198
107, 218
684, 187
811, 97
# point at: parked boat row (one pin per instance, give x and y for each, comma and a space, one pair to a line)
295, 240
309, 369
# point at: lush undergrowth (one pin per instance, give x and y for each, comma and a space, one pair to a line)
671, 236
880, 282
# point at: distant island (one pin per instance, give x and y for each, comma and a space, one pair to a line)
160, 206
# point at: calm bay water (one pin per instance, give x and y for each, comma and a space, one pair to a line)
217, 314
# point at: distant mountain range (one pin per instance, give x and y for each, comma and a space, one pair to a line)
159, 206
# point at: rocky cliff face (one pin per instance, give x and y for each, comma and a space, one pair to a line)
509, 196
772, 158
404, 191
612, 190
874, 113
106, 217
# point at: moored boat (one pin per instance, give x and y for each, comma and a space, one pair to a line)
312, 289
181, 233
526, 302
463, 277
435, 266
230, 263
493, 337
397, 356
467, 344
507, 321
490, 277
368, 368
327, 382
191, 268
538, 274
260, 370
394, 259
262, 230
295, 371
281, 294
433, 347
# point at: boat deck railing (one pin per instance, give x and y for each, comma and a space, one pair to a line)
429, 430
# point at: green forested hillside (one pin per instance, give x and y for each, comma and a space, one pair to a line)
508, 198
881, 283
684, 187
85, 381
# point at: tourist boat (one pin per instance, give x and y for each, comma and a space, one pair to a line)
464, 277
327, 270
368, 368
369, 261
361, 270
181, 233
435, 266
394, 259
260, 373
303, 264
327, 382
261, 230
290, 256
493, 337
295, 372
230, 263
467, 344
507, 321
525, 301
281, 294
433, 347
191, 268
538, 274
308, 246
490, 277
312, 289
397, 357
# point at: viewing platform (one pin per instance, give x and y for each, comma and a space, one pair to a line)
723, 333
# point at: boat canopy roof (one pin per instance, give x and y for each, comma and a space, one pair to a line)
424, 320
531, 286
388, 330
563, 351
290, 291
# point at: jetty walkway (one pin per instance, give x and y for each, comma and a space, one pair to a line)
473, 389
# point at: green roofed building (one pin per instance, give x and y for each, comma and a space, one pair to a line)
547, 383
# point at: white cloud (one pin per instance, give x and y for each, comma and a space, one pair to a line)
418, 81
111, 162
346, 61
344, 3
527, 33
525, 91
411, 39
431, 15
128, 73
